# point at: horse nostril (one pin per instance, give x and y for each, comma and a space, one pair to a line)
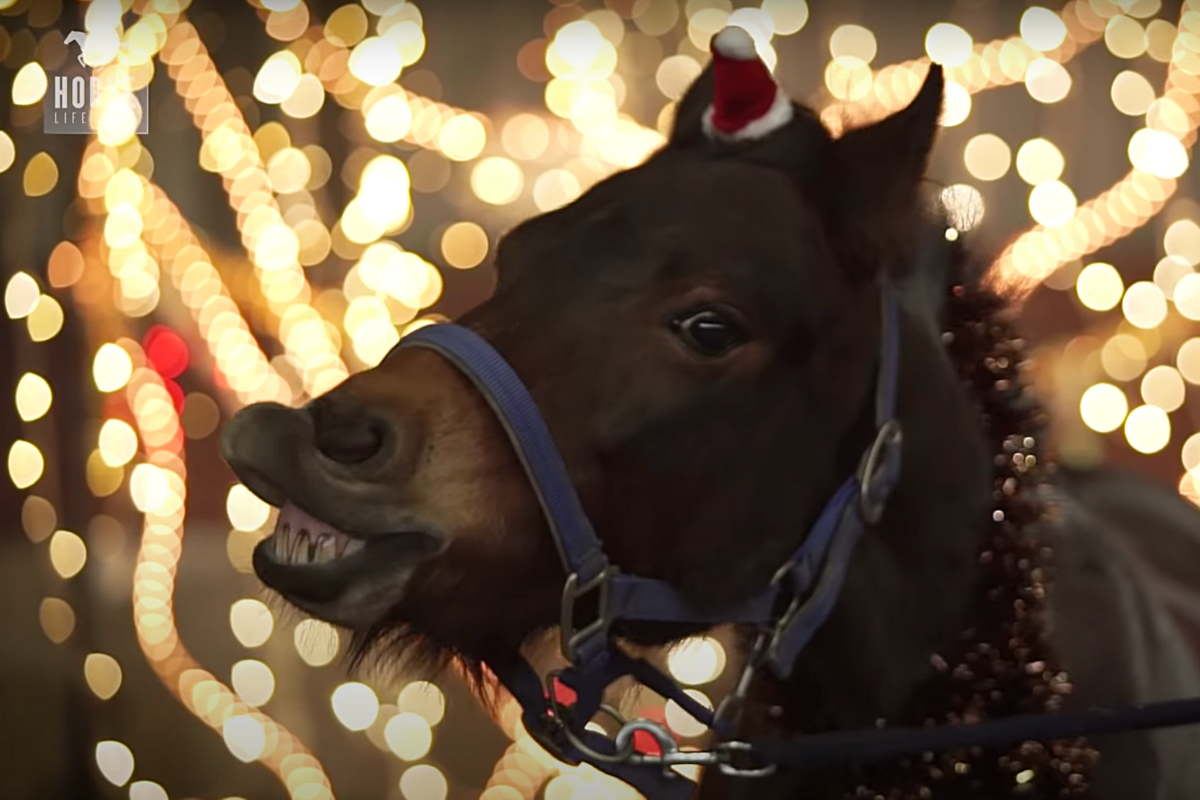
347, 436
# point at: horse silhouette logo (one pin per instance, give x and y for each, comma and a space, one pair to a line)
72, 93
81, 38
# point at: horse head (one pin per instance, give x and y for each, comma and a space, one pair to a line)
701, 334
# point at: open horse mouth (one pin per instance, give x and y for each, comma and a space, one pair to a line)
343, 549
330, 573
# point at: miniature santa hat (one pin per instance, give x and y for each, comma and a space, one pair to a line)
747, 102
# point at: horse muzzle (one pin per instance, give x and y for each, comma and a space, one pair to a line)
343, 548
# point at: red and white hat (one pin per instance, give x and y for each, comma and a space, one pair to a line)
747, 102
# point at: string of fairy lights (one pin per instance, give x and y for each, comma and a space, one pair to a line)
140, 250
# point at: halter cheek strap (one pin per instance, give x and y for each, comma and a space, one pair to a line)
788, 611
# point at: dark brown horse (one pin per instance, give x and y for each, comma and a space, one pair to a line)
701, 334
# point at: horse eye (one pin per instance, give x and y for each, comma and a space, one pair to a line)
709, 332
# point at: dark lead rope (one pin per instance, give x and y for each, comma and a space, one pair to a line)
788, 611
882, 745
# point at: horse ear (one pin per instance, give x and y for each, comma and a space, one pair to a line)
689, 113
878, 175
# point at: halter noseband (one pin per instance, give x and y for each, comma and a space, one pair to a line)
788, 611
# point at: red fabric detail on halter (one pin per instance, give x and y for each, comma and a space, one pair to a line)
744, 91
564, 694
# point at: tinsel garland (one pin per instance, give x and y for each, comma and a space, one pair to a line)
1004, 664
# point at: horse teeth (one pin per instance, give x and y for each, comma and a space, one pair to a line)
297, 545
280, 541
326, 548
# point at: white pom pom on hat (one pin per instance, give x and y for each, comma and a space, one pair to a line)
734, 42
747, 102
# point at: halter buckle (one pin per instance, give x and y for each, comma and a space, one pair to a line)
726, 752
572, 638
889, 437
721, 755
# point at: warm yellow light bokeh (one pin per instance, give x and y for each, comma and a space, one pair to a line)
697, 660
1164, 387
317, 642
29, 84
103, 675
464, 245
1099, 286
987, 157
115, 761
1042, 29
1148, 429
33, 397
1132, 94
424, 782
355, 705
251, 622
1047, 81
68, 553
25, 464
1039, 161
948, 45
1103, 407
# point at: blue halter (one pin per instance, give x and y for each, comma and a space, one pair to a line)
788, 611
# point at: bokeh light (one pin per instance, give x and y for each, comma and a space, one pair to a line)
697, 661
1132, 93
464, 245
115, 761
1144, 305
1042, 29
1103, 407
103, 675
1047, 81
1039, 161
34, 397
25, 464
948, 45
1148, 429
251, 622
1052, 204
1163, 387
1099, 286
253, 681
355, 705
987, 157
316, 642
424, 782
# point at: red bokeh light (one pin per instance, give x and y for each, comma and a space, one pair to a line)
176, 392
166, 351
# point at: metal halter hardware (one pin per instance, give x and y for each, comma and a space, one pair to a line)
807, 586
571, 637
